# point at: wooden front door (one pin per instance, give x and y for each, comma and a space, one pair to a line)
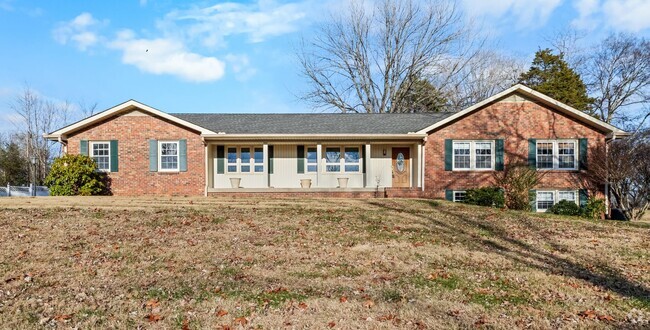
401, 167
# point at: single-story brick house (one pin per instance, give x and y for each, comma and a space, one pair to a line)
439, 155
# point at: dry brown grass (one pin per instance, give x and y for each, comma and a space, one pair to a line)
170, 263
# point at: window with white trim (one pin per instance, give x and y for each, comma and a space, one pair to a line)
545, 199
473, 155
245, 159
100, 152
459, 196
168, 155
342, 159
557, 154
312, 159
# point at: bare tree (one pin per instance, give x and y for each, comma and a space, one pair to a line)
38, 116
486, 73
618, 75
625, 164
368, 59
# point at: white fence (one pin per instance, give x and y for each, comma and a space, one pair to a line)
18, 191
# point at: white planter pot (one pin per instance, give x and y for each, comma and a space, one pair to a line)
343, 182
234, 182
305, 183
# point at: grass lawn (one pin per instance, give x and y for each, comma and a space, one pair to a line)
328, 263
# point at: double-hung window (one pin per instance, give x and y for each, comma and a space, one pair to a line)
342, 159
545, 199
101, 154
473, 155
168, 155
245, 159
459, 196
312, 159
557, 154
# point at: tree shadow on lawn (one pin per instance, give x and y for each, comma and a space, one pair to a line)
521, 252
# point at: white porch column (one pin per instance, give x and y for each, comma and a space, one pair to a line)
265, 154
319, 156
368, 181
419, 151
206, 153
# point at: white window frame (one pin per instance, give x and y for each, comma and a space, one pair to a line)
454, 195
556, 155
307, 163
341, 163
556, 197
472, 155
91, 153
178, 156
238, 162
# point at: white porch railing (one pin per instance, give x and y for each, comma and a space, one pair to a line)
24, 191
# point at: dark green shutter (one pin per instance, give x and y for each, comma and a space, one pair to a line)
583, 196
583, 154
220, 159
182, 155
449, 195
301, 159
153, 156
114, 153
498, 145
449, 156
83, 147
532, 153
532, 196
270, 159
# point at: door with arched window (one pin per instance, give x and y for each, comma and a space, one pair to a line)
401, 167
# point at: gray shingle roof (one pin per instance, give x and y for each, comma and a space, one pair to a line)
322, 123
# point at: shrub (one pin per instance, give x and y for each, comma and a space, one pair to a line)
564, 207
517, 179
489, 196
72, 175
594, 209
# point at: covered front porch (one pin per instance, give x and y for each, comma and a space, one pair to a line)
325, 166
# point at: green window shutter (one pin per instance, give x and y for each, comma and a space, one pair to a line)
449, 154
182, 155
532, 153
498, 146
220, 159
532, 195
153, 156
270, 159
583, 154
583, 196
449, 195
301, 159
114, 158
83, 147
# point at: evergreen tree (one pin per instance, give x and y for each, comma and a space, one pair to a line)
422, 96
14, 168
551, 75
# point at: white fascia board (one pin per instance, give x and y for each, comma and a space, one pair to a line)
579, 115
128, 105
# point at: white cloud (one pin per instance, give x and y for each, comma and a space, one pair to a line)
240, 66
526, 14
258, 21
630, 15
167, 56
586, 11
143, 3
82, 31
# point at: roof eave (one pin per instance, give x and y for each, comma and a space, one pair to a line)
311, 137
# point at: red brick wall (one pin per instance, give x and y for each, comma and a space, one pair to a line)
133, 134
515, 122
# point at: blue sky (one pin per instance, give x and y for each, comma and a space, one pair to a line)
216, 56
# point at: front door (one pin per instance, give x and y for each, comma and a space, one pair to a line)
401, 167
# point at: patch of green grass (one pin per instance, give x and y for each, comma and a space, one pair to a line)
391, 295
217, 220
640, 302
157, 293
305, 274
87, 313
230, 271
448, 282
32, 317
345, 270
277, 297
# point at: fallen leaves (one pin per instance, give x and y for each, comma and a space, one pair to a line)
368, 303
343, 299
221, 313
241, 321
153, 317
593, 315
